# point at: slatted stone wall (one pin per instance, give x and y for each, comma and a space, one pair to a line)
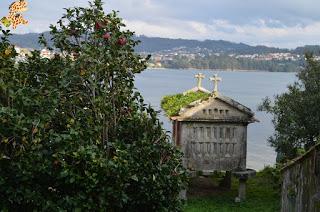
214, 147
301, 183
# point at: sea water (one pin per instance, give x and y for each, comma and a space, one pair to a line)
248, 88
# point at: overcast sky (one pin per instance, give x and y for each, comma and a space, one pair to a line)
280, 23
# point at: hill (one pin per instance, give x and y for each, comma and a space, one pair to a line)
207, 54
156, 44
29, 40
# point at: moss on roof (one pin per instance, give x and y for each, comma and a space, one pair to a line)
173, 103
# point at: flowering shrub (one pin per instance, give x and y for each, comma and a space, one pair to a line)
74, 133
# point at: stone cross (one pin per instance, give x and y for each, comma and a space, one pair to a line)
199, 76
215, 80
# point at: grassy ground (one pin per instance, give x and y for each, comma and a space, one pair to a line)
262, 196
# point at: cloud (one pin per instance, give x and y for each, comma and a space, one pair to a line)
168, 28
284, 23
264, 32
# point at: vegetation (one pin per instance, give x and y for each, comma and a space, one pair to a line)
224, 48
263, 195
74, 134
173, 103
314, 49
231, 63
154, 44
296, 114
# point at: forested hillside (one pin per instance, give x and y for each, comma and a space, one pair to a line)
208, 54
154, 44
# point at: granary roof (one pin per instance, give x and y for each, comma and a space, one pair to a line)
235, 104
188, 106
185, 115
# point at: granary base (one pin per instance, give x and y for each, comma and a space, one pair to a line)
243, 176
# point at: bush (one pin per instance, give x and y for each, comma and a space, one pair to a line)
173, 103
296, 114
74, 133
273, 174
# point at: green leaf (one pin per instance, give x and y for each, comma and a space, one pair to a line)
135, 178
6, 22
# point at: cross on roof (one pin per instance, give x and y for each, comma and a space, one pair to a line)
199, 77
215, 80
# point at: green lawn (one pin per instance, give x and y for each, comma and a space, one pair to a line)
262, 196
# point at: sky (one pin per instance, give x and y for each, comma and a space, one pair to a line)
278, 23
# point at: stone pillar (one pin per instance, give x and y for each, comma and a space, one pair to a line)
226, 182
243, 176
242, 189
183, 194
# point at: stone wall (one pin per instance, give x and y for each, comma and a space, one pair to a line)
301, 183
213, 146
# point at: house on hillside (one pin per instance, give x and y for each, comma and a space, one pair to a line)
301, 183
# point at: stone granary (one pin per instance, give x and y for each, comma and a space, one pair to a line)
212, 134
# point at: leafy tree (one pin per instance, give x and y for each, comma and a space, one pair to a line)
74, 132
296, 114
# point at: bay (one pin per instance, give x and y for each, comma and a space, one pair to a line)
248, 88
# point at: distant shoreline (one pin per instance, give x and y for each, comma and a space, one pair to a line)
223, 70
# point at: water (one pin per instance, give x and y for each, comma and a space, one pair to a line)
248, 88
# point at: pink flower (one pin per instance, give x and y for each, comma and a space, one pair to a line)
106, 36
98, 25
122, 41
